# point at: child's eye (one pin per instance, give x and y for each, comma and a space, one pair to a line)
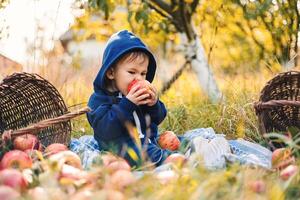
144, 74
131, 72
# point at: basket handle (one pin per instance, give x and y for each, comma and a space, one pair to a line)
34, 128
273, 103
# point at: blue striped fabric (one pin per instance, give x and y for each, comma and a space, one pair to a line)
243, 151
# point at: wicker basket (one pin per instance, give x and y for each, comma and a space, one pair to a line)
30, 104
279, 104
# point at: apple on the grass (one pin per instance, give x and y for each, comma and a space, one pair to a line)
169, 140
13, 178
16, 159
8, 193
121, 179
66, 157
288, 172
55, 148
282, 157
176, 158
257, 186
27, 141
119, 164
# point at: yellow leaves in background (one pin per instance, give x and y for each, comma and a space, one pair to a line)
188, 1
92, 25
135, 6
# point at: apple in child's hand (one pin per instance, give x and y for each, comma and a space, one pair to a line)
16, 159
169, 140
27, 141
141, 83
131, 84
282, 157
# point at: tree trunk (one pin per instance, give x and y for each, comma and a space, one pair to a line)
195, 51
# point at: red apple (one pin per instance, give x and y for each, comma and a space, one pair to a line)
55, 148
119, 164
121, 179
72, 173
82, 195
37, 192
35, 155
16, 159
66, 157
141, 83
176, 158
169, 140
166, 176
281, 158
108, 158
288, 172
13, 178
7, 193
257, 186
131, 84
27, 141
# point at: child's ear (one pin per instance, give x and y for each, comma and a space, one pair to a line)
110, 73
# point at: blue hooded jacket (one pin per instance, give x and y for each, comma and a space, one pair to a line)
110, 111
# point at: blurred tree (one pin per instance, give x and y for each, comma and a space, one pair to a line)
4, 3
273, 26
164, 19
3, 25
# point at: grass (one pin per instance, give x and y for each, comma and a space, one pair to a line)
189, 108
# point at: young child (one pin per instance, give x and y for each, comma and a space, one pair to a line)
126, 58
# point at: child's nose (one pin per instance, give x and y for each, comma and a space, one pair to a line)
139, 77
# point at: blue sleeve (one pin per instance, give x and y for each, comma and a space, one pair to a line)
157, 112
108, 120
156, 154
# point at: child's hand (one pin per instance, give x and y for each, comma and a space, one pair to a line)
138, 95
153, 95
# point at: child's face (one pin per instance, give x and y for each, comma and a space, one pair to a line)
126, 71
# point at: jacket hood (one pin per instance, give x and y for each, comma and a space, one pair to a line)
119, 44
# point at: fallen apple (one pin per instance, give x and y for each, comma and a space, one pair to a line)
108, 158
282, 157
177, 159
37, 193
35, 155
7, 193
110, 194
82, 195
119, 164
16, 159
13, 178
27, 141
166, 176
257, 186
55, 148
121, 179
66, 157
72, 173
169, 140
288, 172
